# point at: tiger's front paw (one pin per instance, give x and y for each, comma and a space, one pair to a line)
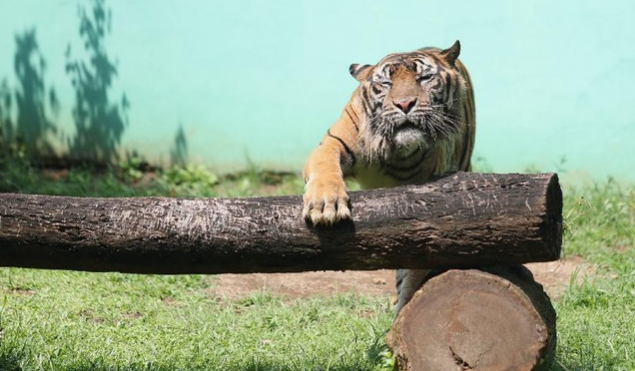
325, 200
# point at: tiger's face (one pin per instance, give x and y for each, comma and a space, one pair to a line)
409, 100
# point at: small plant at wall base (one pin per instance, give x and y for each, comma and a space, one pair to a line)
190, 179
15, 167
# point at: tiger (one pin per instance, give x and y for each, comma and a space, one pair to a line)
412, 117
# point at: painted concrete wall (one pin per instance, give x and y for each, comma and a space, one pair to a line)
263, 80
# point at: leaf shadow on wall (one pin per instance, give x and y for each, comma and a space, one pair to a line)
33, 126
99, 123
178, 153
7, 132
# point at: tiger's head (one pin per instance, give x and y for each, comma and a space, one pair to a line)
410, 100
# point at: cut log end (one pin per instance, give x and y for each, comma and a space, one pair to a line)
499, 319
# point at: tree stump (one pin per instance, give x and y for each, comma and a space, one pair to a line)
492, 319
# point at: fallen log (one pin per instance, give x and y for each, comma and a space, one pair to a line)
493, 319
458, 221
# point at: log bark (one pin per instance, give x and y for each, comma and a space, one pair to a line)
460, 220
482, 320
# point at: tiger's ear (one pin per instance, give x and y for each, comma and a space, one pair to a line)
452, 53
360, 71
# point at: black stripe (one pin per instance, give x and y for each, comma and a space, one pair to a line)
365, 94
466, 139
346, 148
356, 117
374, 126
403, 178
409, 172
365, 102
438, 97
351, 118
367, 109
405, 169
437, 84
448, 87
386, 70
358, 69
409, 155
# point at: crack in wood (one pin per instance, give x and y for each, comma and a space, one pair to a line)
460, 361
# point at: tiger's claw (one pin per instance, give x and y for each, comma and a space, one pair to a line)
325, 201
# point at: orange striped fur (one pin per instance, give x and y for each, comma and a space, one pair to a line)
411, 117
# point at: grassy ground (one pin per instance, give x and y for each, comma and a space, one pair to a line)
59, 320
596, 319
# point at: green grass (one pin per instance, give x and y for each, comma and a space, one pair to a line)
126, 181
82, 321
596, 319
60, 320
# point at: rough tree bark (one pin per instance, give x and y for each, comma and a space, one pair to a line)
493, 319
461, 220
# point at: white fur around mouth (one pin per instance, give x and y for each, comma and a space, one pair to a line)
408, 135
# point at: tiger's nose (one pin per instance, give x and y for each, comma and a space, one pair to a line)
405, 104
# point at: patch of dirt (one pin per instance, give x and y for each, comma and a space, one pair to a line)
306, 284
554, 276
90, 316
20, 291
131, 315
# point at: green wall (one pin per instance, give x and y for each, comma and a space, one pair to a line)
263, 80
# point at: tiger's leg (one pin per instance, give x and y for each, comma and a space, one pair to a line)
408, 282
325, 197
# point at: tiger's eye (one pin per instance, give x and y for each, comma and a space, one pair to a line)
425, 77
